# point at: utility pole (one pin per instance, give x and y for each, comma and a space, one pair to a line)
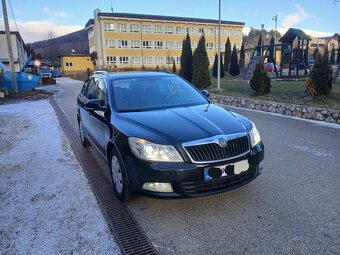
219, 48
9, 46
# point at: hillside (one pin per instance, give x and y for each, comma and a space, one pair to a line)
51, 49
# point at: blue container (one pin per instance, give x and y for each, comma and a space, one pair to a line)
25, 81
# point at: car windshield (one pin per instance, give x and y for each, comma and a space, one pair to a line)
153, 93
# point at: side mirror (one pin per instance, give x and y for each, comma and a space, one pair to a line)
95, 104
205, 93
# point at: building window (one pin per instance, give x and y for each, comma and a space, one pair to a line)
201, 30
134, 28
159, 60
158, 45
146, 28
228, 32
147, 60
136, 60
122, 28
211, 60
209, 46
179, 45
178, 60
109, 27
158, 29
146, 44
180, 30
109, 44
237, 33
192, 30
135, 44
69, 64
193, 45
209, 31
122, 44
169, 45
169, 60
123, 60
169, 30
111, 60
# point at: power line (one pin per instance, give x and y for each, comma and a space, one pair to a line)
10, 5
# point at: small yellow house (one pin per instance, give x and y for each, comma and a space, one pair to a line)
75, 63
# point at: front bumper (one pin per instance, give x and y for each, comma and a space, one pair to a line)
187, 179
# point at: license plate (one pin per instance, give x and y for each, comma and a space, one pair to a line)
211, 173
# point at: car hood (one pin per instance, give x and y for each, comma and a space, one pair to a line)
179, 125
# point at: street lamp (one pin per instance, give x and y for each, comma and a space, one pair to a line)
219, 48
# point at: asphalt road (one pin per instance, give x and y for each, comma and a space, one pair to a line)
292, 208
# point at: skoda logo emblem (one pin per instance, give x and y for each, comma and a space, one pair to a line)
222, 141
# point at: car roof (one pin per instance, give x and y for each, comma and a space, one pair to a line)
132, 75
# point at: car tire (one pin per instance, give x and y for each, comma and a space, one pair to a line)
119, 177
82, 135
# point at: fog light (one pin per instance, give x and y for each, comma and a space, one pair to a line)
158, 186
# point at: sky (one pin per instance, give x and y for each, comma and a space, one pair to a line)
35, 17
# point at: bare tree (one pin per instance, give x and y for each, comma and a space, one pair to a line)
52, 49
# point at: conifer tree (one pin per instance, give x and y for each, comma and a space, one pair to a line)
316, 53
200, 76
260, 82
321, 74
174, 66
234, 69
332, 59
186, 59
215, 65
338, 57
227, 55
242, 59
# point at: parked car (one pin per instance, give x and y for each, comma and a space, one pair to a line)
308, 64
269, 67
162, 136
56, 73
45, 71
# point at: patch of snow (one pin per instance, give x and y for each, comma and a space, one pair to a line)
47, 205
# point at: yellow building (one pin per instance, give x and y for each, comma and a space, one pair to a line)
134, 40
75, 63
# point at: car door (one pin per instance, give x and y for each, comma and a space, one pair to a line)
86, 94
98, 119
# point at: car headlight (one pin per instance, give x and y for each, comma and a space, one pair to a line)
149, 151
254, 135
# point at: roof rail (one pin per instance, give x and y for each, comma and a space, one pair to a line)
100, 72
154, 70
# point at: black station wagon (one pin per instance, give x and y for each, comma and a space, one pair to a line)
161, 136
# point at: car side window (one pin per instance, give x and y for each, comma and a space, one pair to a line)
101, 91
91, 90
84, 88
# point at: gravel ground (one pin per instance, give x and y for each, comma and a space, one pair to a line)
47, 205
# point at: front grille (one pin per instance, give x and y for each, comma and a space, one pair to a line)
214, 152
200, 188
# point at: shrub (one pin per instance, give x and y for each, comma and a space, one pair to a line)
311, 88
260, 82
321, 75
